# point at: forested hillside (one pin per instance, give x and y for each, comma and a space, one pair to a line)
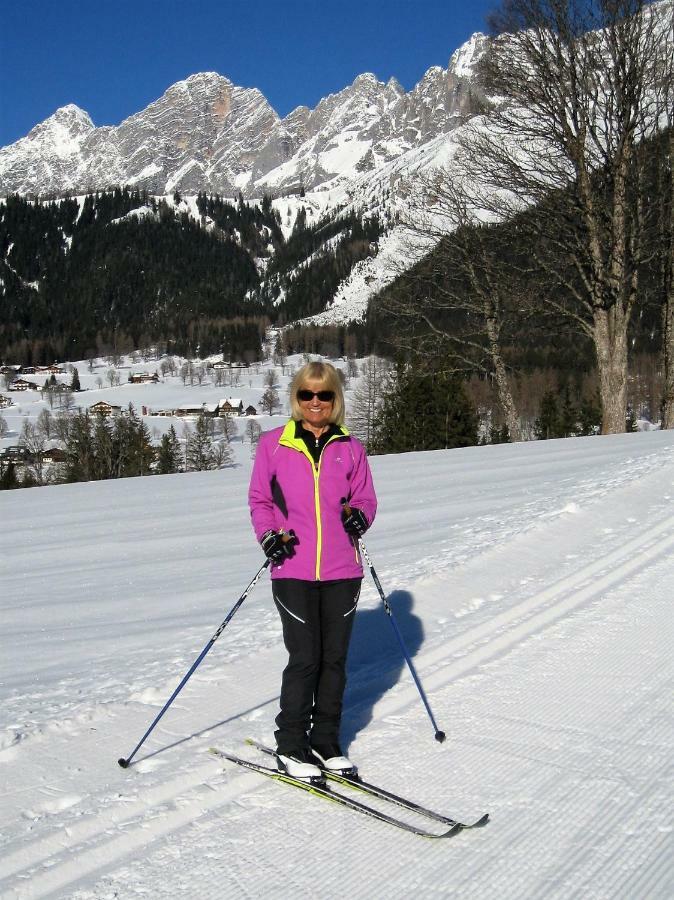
122, 270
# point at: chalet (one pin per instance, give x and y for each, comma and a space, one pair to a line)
143, 378
103, 408
230, 407
15, 454
20, 384
250, 411
54, 455
49, 370
195, 410
5, 401
147, 411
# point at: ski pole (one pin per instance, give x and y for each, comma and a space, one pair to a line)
439, 735
124, 762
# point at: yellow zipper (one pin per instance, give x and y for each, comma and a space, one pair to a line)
319, 527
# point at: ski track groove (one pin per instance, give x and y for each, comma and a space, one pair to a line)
53, 863
495, 638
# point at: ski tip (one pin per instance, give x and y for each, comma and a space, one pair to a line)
455, 829
481, 822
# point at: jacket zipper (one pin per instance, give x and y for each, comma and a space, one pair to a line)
317, 498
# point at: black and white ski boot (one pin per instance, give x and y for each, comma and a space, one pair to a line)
332, 759
300, 764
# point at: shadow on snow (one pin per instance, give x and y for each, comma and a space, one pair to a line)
376, 662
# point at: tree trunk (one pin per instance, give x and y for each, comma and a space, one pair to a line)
610, 339
668, 358
502, 386
668, 305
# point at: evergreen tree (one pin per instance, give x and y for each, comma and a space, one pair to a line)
75, 383
199, 452
8, 479
104, 449
547, 424
80, 450
169, 455
424, 411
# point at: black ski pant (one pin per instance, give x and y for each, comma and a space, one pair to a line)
317, 618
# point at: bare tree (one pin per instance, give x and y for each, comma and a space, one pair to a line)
45, 423
585, 83
32, 439
222, 455
271, 378
4, 427
61, 426
253, 431
270, 402
456, 304
228, 428
367, 398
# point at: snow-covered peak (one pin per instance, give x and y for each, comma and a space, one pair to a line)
206, 133
67, 123
463, 61
60, 135
73, 115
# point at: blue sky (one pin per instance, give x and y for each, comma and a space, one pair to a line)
113, 57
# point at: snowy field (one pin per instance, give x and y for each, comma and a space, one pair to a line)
533, 583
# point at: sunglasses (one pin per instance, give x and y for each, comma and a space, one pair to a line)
323, 396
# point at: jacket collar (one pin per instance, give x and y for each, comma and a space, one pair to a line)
288, 438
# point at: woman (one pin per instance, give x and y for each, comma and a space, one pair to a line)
304, 475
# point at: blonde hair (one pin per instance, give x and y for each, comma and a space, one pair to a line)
328, 378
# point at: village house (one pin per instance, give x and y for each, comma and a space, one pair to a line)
209, 410
5, 401
143, 378
103, 408
48, 370
20, 384
250, 411
15, 454
147, 411
54, 455
230, 407
227, 365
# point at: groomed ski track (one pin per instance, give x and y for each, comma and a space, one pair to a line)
542, 578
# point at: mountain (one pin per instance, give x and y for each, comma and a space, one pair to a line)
207, 134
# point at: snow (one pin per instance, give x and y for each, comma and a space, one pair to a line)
533, 585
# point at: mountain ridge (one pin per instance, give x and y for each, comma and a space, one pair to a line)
206, 133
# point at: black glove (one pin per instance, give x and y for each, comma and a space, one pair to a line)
278, 546
354, 522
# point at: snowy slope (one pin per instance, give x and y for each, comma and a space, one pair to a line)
533, 583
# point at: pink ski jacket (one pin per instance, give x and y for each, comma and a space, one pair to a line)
287, 492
